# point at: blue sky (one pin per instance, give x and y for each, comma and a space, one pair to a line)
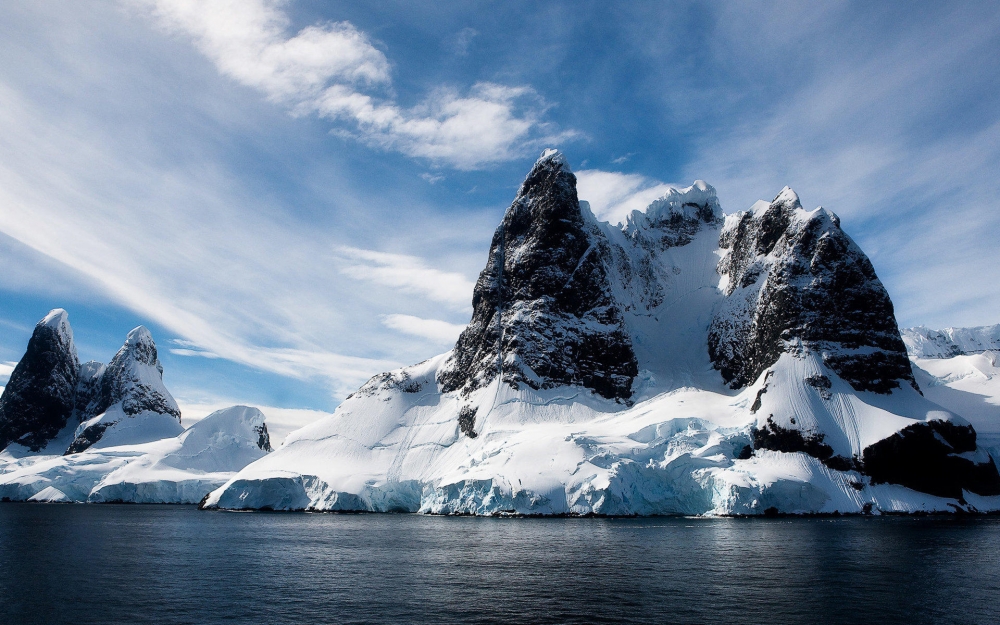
296, 195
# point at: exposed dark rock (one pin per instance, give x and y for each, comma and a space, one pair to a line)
86, 438
776, 438
263, 438
925, 457
467, 421
797, 281
746, 453
39, 396
760, 394
389, 380
822, 384
543, 305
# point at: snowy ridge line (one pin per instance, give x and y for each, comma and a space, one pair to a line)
923, 342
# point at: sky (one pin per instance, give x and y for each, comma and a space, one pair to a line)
294, 196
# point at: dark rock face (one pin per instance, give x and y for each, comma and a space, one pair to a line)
88, 437
797, 281
39, 397
544, 302
263, 438
925, 457
776, 438
467, 421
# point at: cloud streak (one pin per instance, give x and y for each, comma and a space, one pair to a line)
406, 273
335, 71
433, 329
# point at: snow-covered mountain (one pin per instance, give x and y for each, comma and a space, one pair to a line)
959, 368
129, 404
177, 469
99, 433
686, 362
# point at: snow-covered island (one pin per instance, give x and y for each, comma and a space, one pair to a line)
684, 362
111, 433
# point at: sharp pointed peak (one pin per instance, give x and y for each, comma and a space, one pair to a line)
787, 196
55, 318
554, 156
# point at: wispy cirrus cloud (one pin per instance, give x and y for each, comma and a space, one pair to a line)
406, 273
335, 71
433, 329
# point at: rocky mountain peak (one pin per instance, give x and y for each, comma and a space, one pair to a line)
140, 347
543, 310
130, 386
39, 397
794, 280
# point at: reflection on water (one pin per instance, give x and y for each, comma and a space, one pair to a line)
174, 564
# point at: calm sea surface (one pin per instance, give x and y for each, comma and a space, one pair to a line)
173, 564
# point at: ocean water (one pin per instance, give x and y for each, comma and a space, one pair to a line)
174, 564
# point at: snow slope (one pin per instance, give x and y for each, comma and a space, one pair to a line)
969, 385
176, 469
569, 450
531, 414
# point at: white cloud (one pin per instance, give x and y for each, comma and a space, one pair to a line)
406, 273
459, 43
432, 329
183, 247
330, 69
613, 195
6, 368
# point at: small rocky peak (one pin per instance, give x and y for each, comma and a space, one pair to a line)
787, 198
39, 396
140, 347
135, 378
775, 220
549, 190
674, 218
